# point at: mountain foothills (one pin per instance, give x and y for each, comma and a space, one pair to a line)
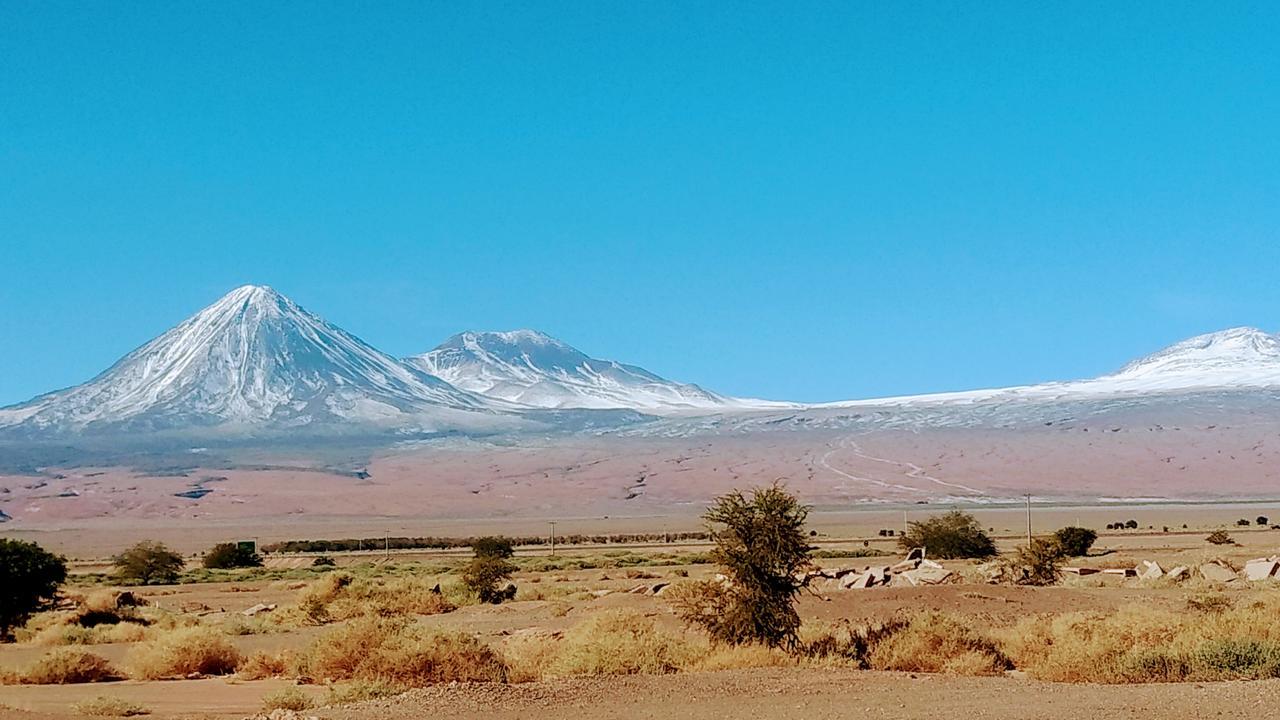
256, 364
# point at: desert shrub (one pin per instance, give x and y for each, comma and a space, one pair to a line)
66, 666
618, 643
356, 691
951, 535
148, 563
72, 633
1075, 541
340, 596
394, 651
29, 580
1039, 564
762, 547
927, 641
226, 556
482, 576
1220, 537
290, 698
185, 651
323, 561
1140, 643
107, 706
1131, 524
262, 664
1262, 520
1209, 602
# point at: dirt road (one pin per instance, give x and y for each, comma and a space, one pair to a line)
821, 694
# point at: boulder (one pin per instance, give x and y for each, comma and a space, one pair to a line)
1178, 574
1261, 569
925, 575
857, 582
1213, 572
1148, 570
256, 609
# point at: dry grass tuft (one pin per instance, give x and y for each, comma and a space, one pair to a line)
65, 666
185, 651
610, 643
262, 665
1143, 644
107, 706
361, 690
926, 641
290, 698
394, 651
339, 596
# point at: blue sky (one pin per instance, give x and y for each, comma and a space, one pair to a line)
809, 202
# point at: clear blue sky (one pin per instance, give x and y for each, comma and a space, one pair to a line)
798, 201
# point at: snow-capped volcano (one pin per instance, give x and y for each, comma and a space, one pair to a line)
252, 358
1242, 356
532, 368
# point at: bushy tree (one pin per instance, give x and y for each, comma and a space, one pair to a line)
1039, 563
1131, 525
1075, 541
29, 580
225, 556
498, 546
951, 535
1262, 520
1242, 522
762, 547
488, 568
148, 563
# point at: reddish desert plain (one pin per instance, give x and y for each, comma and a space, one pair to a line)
1172, 482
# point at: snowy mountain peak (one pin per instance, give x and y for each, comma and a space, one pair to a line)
533, 368
254, 357
1234, 351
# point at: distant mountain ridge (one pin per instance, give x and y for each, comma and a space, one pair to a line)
535, 369
256, 361
252, 358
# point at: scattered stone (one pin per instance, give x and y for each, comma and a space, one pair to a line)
1178, 574
259, 608
1149, 570
660, 588
1081, 571
1213, 572
916, 553
1122, 572
639, 590
925, 575
1261, 569
858, 582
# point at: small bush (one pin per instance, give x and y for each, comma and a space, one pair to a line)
618, 643
1075, 541
323, 561
148, 563
107, 706
1261, 520
917, 642
361, 690
291, 698
66, 666
182, 652
29, 580
952, 535
1220, 537
262, 665
340, 596
227, 556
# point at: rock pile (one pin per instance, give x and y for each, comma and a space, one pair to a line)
914, 570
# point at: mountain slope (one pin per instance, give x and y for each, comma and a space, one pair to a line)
531, 368
253, 358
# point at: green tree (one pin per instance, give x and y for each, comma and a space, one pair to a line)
763, 549
488, 568
1039, 563
29, 580
225, 556
148, 563
951, 535
1075, 541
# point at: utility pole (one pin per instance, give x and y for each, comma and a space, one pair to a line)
1028, 519
386, 544
553, 538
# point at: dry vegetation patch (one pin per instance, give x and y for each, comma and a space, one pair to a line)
183, 652
107, 706
65, 666
394, 651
